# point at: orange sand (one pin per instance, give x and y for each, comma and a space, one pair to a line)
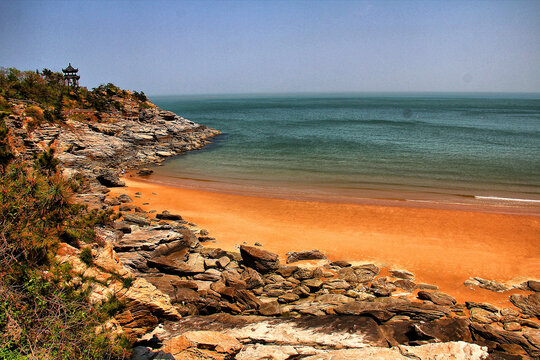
441, 246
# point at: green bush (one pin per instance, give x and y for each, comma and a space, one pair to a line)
41, 319
42, 314
86, 256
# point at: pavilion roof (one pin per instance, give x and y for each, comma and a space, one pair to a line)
70, 69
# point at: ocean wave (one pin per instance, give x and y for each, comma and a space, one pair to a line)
505, 199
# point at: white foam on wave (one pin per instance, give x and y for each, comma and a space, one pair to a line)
505, 199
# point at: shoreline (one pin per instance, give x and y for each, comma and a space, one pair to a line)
443, 247
382, 197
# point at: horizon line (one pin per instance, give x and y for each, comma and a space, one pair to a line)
337, 93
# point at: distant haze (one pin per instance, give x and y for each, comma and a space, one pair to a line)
212, 47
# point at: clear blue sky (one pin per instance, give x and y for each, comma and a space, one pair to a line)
205, 47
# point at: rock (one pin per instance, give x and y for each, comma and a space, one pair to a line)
427, 287
122, 226
150, 240
534, 285
174, 265
143, 353
270, 308
366, 273
136, 219
210, 340
509, 311
360, 295
447, 329
482, 316
165, 215
209, 275
261, 260
184, 295
124, 198
419, 311
319, 332
288, 297
348, 274
496, 337
529, 323
210, 263
379, 288
145, 172
313, 284
136, 320
512, 326
365, 309
533, 336
437, 297
304, 255
273, 352
143, 293
223, 261
303, 274
195, 263
252, 279
530, 305
451, 350
112, 201
340, 263
287, 271
247, 298
337, 285
203, 232
110, 179
302, 291
485, 306
402, 274
234, 279
491, 285
405, 284
108, 260
125, 208
508, 318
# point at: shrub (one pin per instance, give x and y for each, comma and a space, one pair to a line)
86, 256
41, 320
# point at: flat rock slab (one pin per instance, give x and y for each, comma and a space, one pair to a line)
146, 240
347, 331
452, 350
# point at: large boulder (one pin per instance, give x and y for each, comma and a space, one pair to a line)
110, 179
261, 260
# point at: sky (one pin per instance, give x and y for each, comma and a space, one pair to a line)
225, 47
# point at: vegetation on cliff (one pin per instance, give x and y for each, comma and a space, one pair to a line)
47, 96
43, 313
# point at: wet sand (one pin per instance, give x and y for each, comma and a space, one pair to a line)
440, 246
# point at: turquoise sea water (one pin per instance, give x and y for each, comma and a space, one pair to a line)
416, 147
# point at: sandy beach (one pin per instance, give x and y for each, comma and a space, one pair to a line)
440, 246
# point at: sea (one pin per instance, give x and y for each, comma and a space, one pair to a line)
443, 148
